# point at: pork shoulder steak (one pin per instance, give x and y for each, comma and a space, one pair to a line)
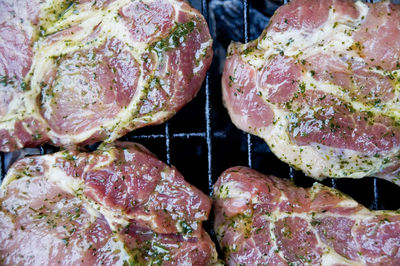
115, 206
264, 220
83, 71
321, 86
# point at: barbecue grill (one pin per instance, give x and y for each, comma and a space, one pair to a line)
201, 141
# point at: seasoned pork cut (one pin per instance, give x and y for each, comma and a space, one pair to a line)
116, 206
77, 72
321, 86
264, 220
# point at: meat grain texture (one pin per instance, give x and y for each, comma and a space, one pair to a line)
115, 206
264, 220
321, 86
77, 72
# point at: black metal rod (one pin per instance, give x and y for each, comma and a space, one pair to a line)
209, 137
151, 136
246, 31
167, 143
375, 203
207, 110
333, 181
175, 135
42, 150
249, 151
291, 173
189, 135
246, 26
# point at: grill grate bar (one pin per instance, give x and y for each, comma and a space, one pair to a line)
151, 136
375, 203
333, 182
190, 135
249, 151
207, 113
246, 30
246, 26
209, 137
291, 173
213, 134
167, 143
42, 150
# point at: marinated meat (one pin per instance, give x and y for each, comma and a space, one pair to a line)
116, 206
77, 72
321, 87
264, 220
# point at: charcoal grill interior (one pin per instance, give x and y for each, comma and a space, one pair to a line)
202, 142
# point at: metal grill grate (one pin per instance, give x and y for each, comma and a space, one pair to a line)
202, 142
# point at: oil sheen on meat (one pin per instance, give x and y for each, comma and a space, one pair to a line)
77, 72
116, 206
264, 220
321, 86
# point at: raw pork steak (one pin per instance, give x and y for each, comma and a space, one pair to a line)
264, 220
321, 86
76, 72
115, 206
